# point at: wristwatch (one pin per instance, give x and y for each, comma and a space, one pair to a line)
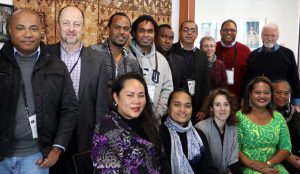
270, 164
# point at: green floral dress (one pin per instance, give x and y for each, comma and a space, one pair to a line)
260, 142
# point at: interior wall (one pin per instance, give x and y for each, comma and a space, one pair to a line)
9, 2
284, 13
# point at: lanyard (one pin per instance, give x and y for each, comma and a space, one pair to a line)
25, 98
75, 64
156, 61
234, 56
113, 65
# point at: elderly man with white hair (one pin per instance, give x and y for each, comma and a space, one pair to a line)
273, 61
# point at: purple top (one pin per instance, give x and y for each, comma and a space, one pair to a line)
118, 149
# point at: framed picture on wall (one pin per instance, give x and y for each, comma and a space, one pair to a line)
251, 32
5, 13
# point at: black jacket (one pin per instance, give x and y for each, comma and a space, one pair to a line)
204, 165
202, 86
54, 96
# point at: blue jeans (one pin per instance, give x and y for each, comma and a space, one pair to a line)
22, 165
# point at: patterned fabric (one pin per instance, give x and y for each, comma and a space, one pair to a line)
117, 149
70, 60
260, 142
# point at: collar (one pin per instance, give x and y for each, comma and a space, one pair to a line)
275, 48
63, 47
231, 45
38, 51
182, 47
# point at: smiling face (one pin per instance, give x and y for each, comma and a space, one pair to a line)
188, 33
144, 35
180, 108
221, 108
228, 33
208, 47
71, 26
25, 31
281, 94
131, 99
261, 95
119, 30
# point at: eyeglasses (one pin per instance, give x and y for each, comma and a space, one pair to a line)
228, 30
192, 30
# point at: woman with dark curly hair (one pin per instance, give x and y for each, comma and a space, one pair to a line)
220, 130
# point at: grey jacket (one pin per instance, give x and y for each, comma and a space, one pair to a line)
225, 155
164, 83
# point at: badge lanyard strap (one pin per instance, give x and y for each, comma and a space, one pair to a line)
25, 98
76, 61
114, 66
75, 64
234, 56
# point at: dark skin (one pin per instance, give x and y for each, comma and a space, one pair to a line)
25, 29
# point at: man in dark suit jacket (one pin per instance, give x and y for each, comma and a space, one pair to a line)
196, 68
88, 73
163, 42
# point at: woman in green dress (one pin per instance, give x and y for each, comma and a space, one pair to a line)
263, 136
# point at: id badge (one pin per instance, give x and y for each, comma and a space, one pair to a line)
230, 76
155, 76
32, 122
151, 91
191, 85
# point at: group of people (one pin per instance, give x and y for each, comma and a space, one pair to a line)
147, 107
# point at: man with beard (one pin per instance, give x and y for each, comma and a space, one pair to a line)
163, 42
273, 61
88, 73
118, 59
156, 70
234, 55
195, 65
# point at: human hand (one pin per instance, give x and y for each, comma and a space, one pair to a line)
200, 116
51, 158
294, 161
258, 165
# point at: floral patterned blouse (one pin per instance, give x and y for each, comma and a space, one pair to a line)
118, 149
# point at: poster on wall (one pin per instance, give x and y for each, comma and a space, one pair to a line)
209, 28
5, 12
251, 32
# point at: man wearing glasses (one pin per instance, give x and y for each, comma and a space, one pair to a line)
234, 55
196, 66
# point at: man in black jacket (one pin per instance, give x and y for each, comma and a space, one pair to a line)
37, 100
196, 66
163, 42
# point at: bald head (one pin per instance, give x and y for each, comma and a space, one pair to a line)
25, 31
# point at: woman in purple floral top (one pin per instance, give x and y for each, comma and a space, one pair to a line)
126, 140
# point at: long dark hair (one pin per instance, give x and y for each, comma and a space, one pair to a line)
146, 119
246, 106
231, 120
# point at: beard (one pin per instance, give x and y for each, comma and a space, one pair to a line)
118, 44
269, 45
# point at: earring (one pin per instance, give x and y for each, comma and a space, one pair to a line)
115, 104
250, 103
270, 105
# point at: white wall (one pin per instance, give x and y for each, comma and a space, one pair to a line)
285, 13
175, 18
